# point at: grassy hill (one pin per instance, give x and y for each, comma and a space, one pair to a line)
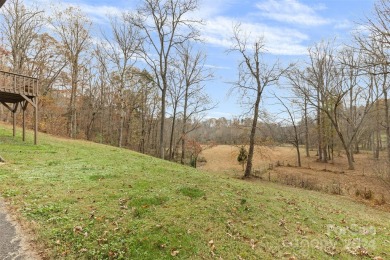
85, 200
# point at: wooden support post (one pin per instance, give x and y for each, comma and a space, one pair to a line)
13, 124
36, 121
14, 119
23, 125
24, 107
13, 110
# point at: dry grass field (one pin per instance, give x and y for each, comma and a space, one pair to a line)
368, 183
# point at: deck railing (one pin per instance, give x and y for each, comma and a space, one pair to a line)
18, 84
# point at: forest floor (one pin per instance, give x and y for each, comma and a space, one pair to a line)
81, 200
368, 183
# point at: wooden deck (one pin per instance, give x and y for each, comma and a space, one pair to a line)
18, 91
14, 86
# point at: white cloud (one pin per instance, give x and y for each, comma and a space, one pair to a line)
291, 11
97, 13
208, 9
361, 29
343, 24
216, 67
284, 41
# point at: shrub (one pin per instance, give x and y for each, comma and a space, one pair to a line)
366, 194
242, 156
380, 201
202, 159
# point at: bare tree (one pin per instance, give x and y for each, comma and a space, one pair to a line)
176, 92
117, 55
72, 28
375, 42
351, 61
46, 62
329, 84
148, 100
294, 137
21, 26
306, 119
188, 98
193, 74
295, 78
254, 76
164, 26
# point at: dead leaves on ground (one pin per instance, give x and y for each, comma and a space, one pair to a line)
175, 252
212, 247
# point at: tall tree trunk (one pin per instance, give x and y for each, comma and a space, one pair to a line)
387, 116
324, 137
252, 136
297, 143
319, 127
172, 131
184, 128
376, 132
122, 114
143, 119
162, 123
72, 105
347, 150
306, 129
151, 125
129, 135
298, 155
90, 126
325, 153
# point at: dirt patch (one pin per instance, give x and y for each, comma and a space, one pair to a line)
368, 183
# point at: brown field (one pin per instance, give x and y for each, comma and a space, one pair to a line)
368, 183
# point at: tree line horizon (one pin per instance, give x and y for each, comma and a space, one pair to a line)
94, 88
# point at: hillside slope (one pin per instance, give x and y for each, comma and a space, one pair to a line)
85, 200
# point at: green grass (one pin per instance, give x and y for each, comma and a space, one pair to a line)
90, 201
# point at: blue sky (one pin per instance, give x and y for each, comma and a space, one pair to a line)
289, 27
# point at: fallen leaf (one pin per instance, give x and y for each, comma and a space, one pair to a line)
253, 244
77, 229
330, 251
287, 243
211, 244
212, 247
174, 252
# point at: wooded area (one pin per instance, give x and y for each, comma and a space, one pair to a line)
141, 85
